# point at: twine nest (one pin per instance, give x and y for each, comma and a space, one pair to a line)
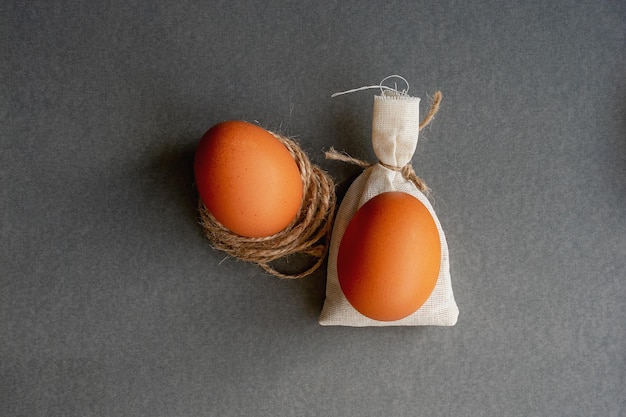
308, 233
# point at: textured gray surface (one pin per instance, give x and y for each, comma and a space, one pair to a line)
112, 302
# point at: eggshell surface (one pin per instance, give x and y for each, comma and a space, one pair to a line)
389, 257
247, 179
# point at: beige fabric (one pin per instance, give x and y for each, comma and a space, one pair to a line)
395, 130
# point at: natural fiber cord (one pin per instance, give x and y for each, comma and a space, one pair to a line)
308, 233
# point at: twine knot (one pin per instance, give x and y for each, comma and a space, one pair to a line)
407, 171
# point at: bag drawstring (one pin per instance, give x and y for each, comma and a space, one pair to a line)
407, 170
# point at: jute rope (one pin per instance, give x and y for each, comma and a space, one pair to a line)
407, 171
308, 233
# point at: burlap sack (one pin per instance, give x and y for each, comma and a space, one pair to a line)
395, 131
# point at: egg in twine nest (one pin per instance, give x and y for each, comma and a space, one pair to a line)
308, 234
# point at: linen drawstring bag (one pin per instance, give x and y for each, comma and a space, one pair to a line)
395, 130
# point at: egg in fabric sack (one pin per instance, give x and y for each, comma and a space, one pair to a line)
389, 257
247, 179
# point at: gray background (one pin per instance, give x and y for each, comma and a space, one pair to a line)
113, 303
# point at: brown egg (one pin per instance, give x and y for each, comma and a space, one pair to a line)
389, 257
247, 179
